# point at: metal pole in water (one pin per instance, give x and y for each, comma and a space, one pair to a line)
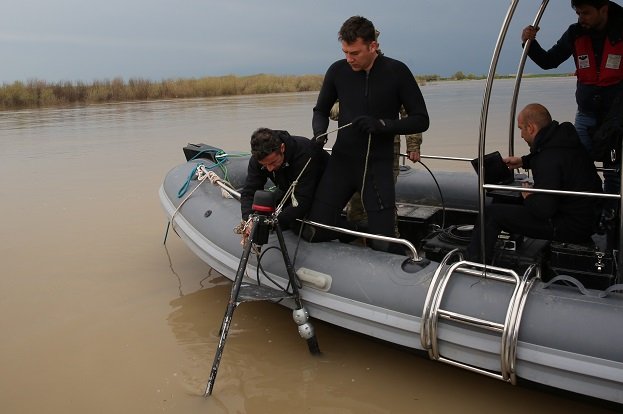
300, 315
231, 306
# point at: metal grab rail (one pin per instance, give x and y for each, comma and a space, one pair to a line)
414, 254
520, 69
548, 191
485, 111
509, 330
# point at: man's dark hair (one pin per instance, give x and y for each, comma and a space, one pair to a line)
355, 27
264, 141
598, 4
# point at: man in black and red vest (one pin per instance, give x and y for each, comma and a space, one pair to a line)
596, 43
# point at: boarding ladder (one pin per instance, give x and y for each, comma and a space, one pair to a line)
509, 330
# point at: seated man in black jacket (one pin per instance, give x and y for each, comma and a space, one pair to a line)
284, 159
558, 162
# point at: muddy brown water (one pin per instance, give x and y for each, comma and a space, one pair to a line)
98, 316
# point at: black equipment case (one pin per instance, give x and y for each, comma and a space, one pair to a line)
593, 268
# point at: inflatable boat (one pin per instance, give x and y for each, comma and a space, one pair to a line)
504, 321
544, 312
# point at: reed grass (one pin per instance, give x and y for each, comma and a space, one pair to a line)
38, 93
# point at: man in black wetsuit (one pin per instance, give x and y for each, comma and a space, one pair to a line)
281, 157
371, 88
558, 162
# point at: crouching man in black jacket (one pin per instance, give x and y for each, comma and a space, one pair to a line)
558, 162
283, 158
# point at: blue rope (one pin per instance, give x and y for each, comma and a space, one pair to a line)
221, 158
184, 188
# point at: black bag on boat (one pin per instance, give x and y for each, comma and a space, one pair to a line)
607, 138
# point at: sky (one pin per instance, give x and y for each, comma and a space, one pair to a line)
87, 40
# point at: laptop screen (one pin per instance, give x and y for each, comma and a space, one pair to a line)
496, 172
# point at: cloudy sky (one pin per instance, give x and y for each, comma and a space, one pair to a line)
90, 40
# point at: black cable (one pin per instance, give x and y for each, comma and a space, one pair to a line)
443, 203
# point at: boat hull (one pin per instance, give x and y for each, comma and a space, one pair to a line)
564, 339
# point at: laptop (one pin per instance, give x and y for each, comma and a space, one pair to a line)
496, 171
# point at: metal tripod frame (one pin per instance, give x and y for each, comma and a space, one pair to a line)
240, 293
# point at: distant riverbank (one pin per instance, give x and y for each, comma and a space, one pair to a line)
39, 93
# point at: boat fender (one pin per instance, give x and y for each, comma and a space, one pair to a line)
414, 266
313, 278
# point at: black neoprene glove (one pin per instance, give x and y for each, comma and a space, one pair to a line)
369, 124
320, 140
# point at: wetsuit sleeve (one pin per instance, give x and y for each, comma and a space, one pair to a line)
414, 141
326, 98
553, 57
255, 181
413, 102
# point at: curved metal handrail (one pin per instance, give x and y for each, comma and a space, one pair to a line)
434, 309
414, 254
548, 191
510, 351
485, 111
520, 69
426, 322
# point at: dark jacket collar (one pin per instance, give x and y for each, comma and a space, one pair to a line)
556, 135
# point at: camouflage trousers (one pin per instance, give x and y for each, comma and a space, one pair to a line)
355, 211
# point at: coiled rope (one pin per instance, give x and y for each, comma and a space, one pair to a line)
202, 174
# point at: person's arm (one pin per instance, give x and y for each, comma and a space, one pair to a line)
326, 98
513, 162
305, 187
414, 141
416, 115
255, 181
554, 57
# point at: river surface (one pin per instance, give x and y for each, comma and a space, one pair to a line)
97, 316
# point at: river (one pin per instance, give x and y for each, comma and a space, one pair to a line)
98, 316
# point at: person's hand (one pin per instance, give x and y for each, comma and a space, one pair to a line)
513, 162
414, 156
246, 232
320, 138
526, 184
529, 33
368, 124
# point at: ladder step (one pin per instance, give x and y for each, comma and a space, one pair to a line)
253, 293
470, 320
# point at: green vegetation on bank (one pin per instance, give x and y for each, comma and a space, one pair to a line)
39, 93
